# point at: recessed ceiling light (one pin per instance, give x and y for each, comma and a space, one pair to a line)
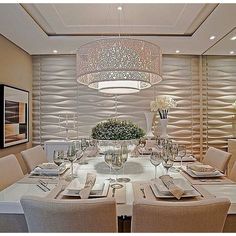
55, 51
231, 52
233, 38
212, 37
177, 51
119, 8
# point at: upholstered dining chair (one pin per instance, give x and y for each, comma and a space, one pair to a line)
10, 171
194, 216
217, 158
232, 174
85, 215
33, 157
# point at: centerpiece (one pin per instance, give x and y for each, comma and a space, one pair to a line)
162, 105
116, 139
116, 135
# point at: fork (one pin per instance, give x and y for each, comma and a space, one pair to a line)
142, 190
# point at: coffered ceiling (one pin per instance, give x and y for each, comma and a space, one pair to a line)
43, 28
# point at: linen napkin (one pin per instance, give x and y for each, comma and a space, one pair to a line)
201, 168
174, 189
46, 169
90, 181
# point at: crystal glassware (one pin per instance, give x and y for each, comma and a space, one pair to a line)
156, 160
71, 156
181, 153
167, 159
108, 161
116, 164
58, 159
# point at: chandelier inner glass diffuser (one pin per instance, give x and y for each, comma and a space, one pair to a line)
119, 65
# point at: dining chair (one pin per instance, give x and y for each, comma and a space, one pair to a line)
193, 216
232, 174
217, 158
85, 215
34, 156
10, 171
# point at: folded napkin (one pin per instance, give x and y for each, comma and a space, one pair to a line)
41, 171
90, 181
186, 158
201, 168
174, 189
48, 165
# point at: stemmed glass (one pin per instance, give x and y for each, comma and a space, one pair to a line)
181, 153
174, 152
156, 160
58, 159
142, 144
124, 157
84, 145
167, 159
116, 164
71, 156
108, 161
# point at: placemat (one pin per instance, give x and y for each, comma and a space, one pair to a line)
138, 194
207, 181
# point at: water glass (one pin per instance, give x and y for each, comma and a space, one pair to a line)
116, 164
181, 152
156, 160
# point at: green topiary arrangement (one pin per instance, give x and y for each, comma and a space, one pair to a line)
114, 129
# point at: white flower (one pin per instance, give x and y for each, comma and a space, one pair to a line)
163, 102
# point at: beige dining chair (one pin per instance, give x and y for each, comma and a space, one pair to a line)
10, 171
34, 156
193, 216
217, 158
232, 174
85, 215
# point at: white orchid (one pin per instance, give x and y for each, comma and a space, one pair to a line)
162, 104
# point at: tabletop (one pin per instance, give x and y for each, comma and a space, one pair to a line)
138, 169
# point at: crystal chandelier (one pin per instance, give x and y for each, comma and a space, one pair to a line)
119, 65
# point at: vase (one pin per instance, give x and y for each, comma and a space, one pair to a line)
149, 120
163, 128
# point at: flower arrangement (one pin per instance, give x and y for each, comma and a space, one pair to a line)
162, 104
114, 129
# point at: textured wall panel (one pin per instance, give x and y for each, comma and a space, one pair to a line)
219, 92
57, 92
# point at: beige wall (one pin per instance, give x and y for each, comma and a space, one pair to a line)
16, 70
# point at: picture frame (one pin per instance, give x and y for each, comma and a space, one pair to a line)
14, 116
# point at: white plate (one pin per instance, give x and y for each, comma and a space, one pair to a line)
99, 190
185, 158
204, 174
51, 172
178, 181
158, 194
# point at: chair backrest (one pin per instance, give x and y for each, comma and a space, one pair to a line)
195, 216
85, 215
10, 171
33, 157
217, 158
232, 174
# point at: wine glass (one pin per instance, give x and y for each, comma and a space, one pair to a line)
167, 159
58, 159
174, 152
116, 164
71, 156
181, 153
84, 145
156, 160
108, 161
142, 144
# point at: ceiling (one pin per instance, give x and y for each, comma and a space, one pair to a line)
43, 28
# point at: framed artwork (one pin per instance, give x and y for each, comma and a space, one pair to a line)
14, 116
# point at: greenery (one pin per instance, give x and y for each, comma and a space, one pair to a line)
114, 129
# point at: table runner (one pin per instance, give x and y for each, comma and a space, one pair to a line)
207, 181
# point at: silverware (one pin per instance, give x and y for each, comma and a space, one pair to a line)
142, 190
63, 187
113, 192
44, 185
211, 180
41, 187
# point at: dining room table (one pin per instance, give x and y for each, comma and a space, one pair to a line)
139, 170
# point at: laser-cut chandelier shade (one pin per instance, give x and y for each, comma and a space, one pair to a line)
119, 65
